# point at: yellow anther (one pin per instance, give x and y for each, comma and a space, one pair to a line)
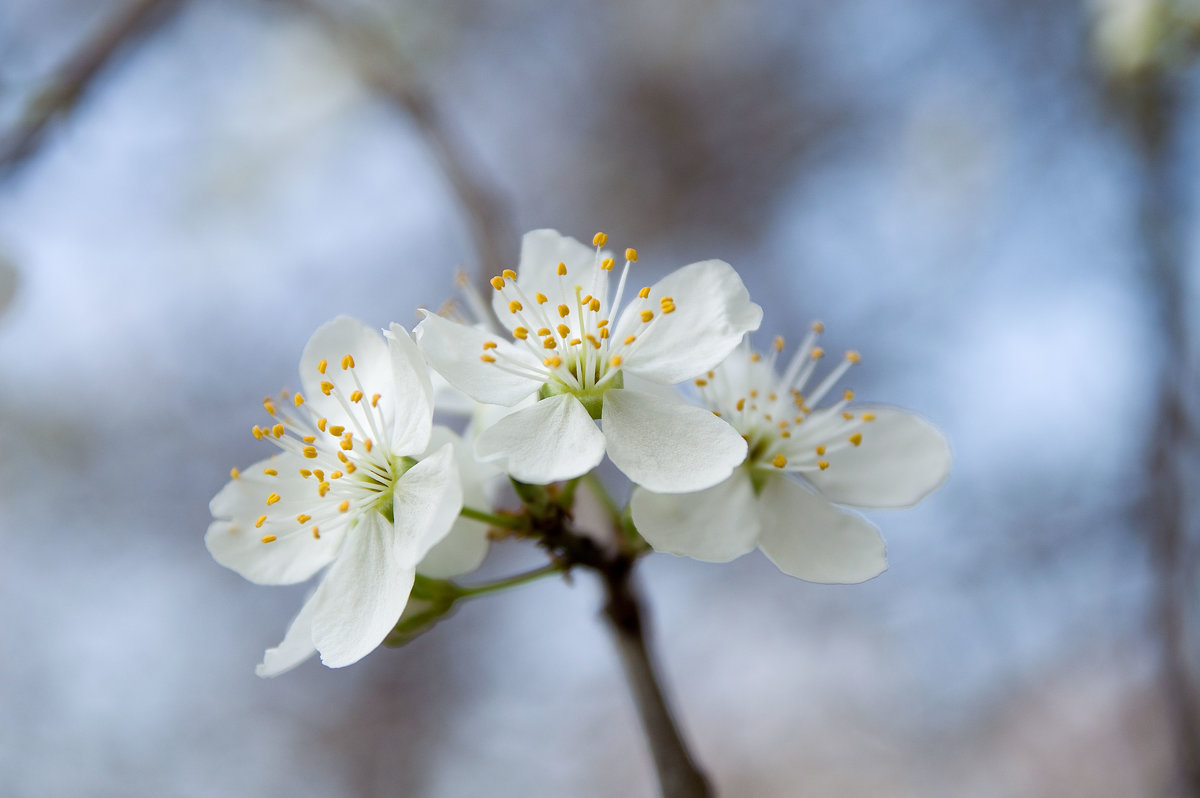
367, 444
630, 339
818, 327
514, 306
347, 444
319, 474
257, 432
563, 310
772, 396
741, 405
274, 497
310, 452
271, 472
647, 315
336, 475
668, 307
336, 430
868, 416
823, 464
717, 413
498, 283
269, 538
344, 506
549, 343
754, 393
327, 387
615, 361
574, 342
508, 274
666, 300
324, 364
853, 357
350, 467
487, 358
599, 240
541, 298
644, 292
587, 300
594, 305
779, 461
262, 519
309, 438
269, 406
554, 361
347, 362
785, 434
543, 332
277, 430
778, 343
606, 264
304, 519
848, 395
856, 438
603, 332
631, 255
235, 474
820, 451
489, 344
375, 399
562, 270
342, 456
602, 323
322, 489
817, 353
356, 396
702, 382
783, 424
316, 533
297, 400
321, 422
755, 357
848, 415
563, 330
304, 472
520, 333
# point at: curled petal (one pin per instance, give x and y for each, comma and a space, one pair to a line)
465, 547
712, 311
455, 349
553, 440
902, 458
668, 447
411, 394
718, 524
425, 502
809, 538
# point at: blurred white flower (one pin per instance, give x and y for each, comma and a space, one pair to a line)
357, 487
865, 456
568, 354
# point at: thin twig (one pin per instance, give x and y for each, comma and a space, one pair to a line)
388, 73
77, 76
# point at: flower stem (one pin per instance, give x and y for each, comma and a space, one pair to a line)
678, 774
506, 521
471, 591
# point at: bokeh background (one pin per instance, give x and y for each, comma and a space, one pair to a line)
994, 201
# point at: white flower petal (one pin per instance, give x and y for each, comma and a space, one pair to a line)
297, 645
668, 447
425, 502
553, 440
362, 595
236, 542
454, 350
901, 460
331, 342
411, 394
809, 538
712, 312
715, 525
541, 252
466, 547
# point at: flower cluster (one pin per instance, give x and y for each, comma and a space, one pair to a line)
391, 507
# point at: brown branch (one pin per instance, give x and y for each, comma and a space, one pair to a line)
77, 76
392, 78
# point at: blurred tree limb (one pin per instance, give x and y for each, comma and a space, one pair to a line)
389, 74
76, 77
